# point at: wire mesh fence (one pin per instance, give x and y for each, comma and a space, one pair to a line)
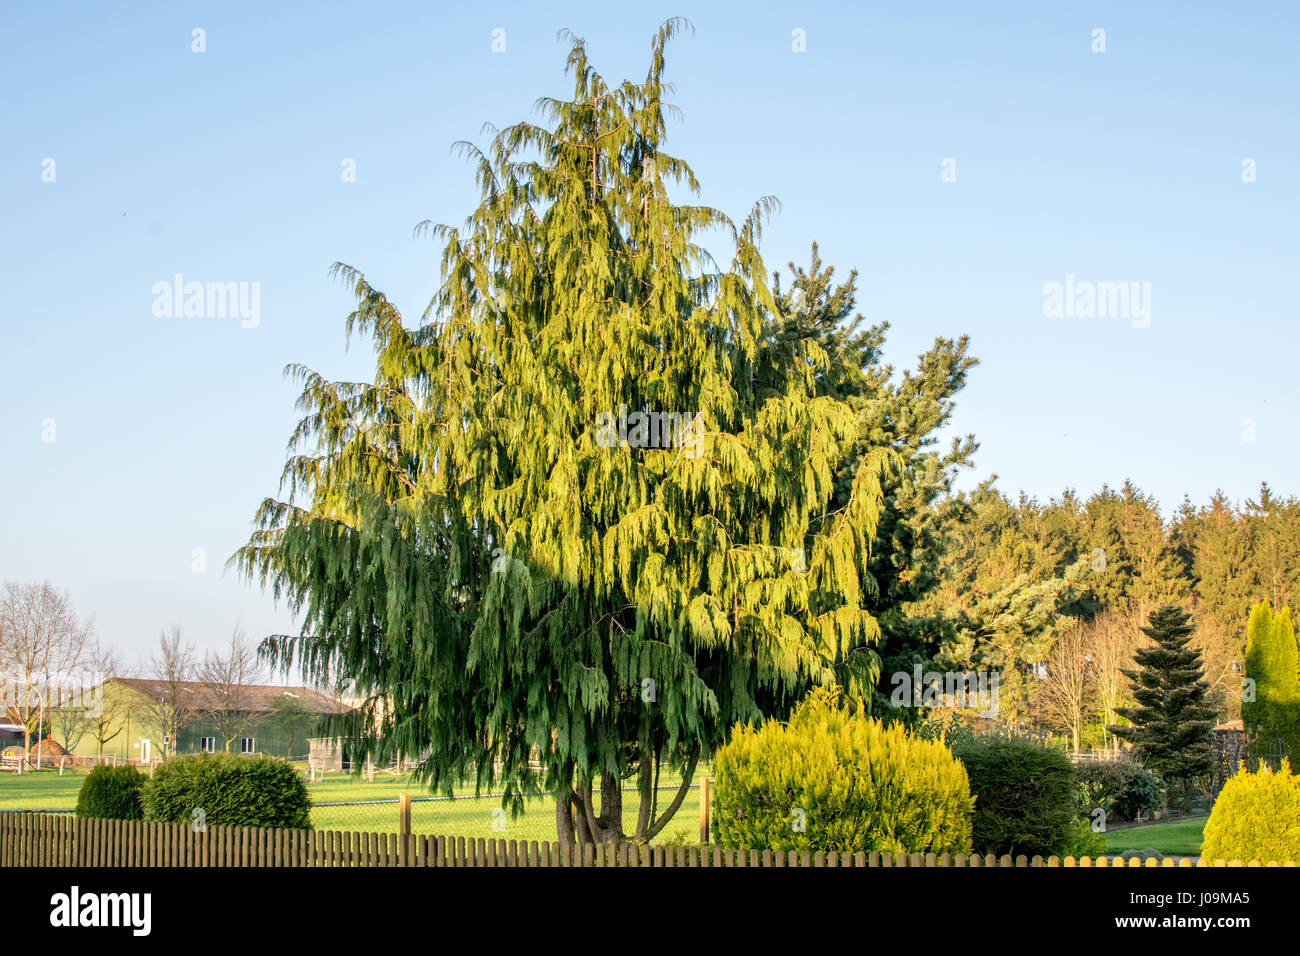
484, 816
369, 801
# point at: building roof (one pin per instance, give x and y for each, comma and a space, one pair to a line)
255, 698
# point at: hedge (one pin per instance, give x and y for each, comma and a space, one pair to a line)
223, 789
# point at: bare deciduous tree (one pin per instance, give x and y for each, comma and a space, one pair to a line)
43, 643
100, 710
227, 686
1110, 640
171, 669
1223, 650
1066, 691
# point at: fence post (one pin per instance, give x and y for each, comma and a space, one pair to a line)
704, 811
404, 816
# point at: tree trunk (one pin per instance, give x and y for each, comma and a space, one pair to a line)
564, 819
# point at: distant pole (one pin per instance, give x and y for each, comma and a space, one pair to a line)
704, 811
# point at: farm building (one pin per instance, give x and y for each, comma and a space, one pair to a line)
130, 715
328, 753
11, 734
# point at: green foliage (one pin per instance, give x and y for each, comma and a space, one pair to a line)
1008, 579
1172, 719
508, 585
257, 791
1121, 787
1024, 795
834, 779
1256, 817
1082, 841
1141, 795
905, 412
1273, 664
1098, 783
112, 793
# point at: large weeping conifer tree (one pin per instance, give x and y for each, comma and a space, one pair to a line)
518, 602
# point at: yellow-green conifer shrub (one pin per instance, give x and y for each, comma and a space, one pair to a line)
834, 779
1256, 817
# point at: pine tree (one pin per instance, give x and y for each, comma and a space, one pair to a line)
1272, 664
905, 413
506, 542
1275, 545
1172, 720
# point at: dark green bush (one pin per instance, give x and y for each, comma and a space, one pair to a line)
230, 791
111, 793
1024, 795
1100, 783
1121, 787
833, 779
1141, 795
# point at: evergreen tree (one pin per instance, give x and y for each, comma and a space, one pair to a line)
1272, 664
904, 413
506, 542
1172, 720
1222, 579
1274, 525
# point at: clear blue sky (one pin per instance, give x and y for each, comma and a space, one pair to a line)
226, 166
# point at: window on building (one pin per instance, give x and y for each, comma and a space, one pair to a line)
247, 745
208, 744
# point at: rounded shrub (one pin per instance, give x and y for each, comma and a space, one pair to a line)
1024, 795
1256, 817
834, 779
1121, 787
228, 790
1140, 795
1083, 841
111, 793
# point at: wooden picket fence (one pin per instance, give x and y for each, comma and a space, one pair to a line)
41, 839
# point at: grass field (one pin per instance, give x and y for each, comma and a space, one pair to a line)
482, 817
1180, 838
470, 817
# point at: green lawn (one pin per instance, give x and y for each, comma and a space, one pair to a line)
471, 817
1180, 838
43, 790
46, 790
